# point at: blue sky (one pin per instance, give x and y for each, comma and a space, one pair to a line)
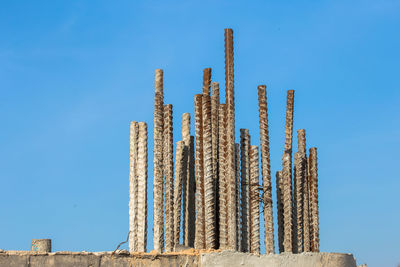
75, 73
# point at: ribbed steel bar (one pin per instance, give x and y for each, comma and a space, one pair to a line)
289, 121
133, 186
287, 203
206, 81
245, 181
214, 133
230, 103
180, 176
238, 208
222, 186
169, 178
298, 200
188, 185
209, 182
266, 170
279, 202
254, 201
200, 241
301, 141
142, 188
314, 198
158, 182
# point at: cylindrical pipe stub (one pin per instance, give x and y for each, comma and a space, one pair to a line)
41, 245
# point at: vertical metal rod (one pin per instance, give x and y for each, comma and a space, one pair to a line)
314, 198
254, 201
142, 188
238, 208
180, 176
222, 185
209, 181
279, 202
169, 178
200, 223
158, 193
245, 181
230, 103
206, 81
287, 203
266, 170
298, 200
133, 186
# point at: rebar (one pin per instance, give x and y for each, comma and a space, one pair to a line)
279, 202
206, 81
142, 188
222, 186
209, 182
180, 176
188, 185
254, 201
245, 181
230, 103
287, 203
158, 183
238, 210
169, 178
314, 198
133, 186
200, 223
298, 200
266, 170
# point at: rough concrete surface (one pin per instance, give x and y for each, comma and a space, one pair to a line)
125, 259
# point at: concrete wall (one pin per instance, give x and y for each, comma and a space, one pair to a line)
124, 259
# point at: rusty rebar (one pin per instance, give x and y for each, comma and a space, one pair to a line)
254, 201
238, 208
206, 81
142, 188
314, 198
209, 182
244, 182
180, 176
133, 186
230, 103
287, 203
189, 188
298, 200
279, 202
169, 178
266, 170
158, 183
200, 212
222, 186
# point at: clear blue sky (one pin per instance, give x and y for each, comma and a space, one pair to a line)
75, 73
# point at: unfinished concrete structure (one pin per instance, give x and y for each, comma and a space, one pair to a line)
211, 198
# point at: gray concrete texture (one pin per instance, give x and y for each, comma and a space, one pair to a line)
189, 259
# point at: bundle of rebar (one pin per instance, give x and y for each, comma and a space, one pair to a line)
212, 196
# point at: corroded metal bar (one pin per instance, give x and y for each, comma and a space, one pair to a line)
214, 133
314, 198
200, 223
180, 176
133, 186
238, 210
230, 103
287, 203
266, 170
289, 121
254, 201
209, 182
206, 81
301, 141
306, 210
298, 201
188, 185
142, 188
169, 178
158, 183
279, 201
245, 181
222, 187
